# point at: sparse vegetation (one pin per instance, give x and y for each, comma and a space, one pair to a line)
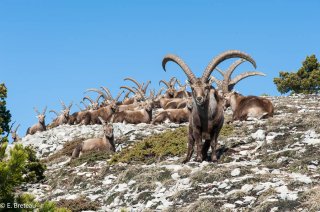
155, 148
79, 204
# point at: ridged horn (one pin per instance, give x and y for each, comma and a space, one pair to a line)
134, 81
63, 104
128, 88
55, 112
146, 86
119, 94
44, 110
242, 76
89, 99
222, 57
181, 63
36, 110
164, 82
107, 92
105, 96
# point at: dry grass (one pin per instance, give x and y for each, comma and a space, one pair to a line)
312, 199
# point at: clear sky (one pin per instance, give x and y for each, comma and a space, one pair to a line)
58, 49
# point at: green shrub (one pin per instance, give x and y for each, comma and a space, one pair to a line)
155, 147
306, 80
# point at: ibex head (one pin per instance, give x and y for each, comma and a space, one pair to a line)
66, 110
14, 134
41, 116
201, 86
107, 128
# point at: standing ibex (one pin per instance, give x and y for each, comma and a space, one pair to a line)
206, 119
40, 126
100, 144
248, 106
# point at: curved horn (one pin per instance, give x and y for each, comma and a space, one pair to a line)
17, 128
159, 92
220, 71
218, 82
98, 98
127, 94
144, 89
224, 56
86, 106
99, 92
119, 94
179, 83
134, 81
173, 81
164, 82
140, 92
128, 88
107, 92
242, 76
88, 98
70, 105
181, 63
55, 112
232, 67
63, 104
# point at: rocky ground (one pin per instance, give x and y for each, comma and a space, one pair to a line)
264, 165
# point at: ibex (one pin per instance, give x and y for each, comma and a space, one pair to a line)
63, 117
14, 135
206, 119
143, 115
40, 126
248, 106
100, 144
174, 115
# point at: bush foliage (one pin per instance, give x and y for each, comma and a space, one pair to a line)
306, 80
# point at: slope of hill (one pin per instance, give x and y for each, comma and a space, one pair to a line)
264, 165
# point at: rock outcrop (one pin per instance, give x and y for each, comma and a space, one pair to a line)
264, 165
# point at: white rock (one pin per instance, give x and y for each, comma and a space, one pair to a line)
301, 178
259, 135
175, 176
235, 172
246, 188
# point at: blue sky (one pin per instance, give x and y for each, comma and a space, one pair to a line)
58, 49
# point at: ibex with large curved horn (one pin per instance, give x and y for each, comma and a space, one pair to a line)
40, 126
63, 117
206, 119
227, 84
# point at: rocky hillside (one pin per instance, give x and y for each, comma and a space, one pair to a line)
264, 165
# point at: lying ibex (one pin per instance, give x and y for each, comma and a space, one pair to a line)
14, 135
97, 144
143, 115
248, 106
174, 115
105, 113
206, 119
63, 117
170, 91
40, 126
